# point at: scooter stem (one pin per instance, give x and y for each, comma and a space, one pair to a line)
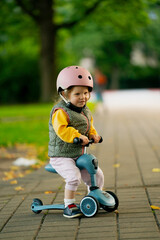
93, 180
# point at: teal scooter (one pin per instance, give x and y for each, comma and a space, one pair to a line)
96, 198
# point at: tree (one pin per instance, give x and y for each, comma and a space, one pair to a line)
110, 35
43, 13
106, 29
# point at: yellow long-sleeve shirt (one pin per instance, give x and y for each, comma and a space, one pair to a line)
60, 126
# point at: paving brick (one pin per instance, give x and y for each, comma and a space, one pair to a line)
138, 235
128, 142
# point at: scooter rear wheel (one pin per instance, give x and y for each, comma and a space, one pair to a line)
36, 202
89, 206
111, 209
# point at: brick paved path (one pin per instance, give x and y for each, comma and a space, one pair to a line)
129, 157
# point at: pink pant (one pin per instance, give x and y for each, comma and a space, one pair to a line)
66, 168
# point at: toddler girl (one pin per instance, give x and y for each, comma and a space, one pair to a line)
71, 118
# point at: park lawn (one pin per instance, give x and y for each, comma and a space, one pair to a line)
26, 123
25, 110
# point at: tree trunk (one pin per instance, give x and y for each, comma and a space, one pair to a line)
42, 11
47, 55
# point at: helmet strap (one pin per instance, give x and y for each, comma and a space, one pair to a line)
70, 105
64, 99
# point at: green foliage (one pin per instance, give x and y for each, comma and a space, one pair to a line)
139, 77
19, 78
107, 35
110, 24
19, 70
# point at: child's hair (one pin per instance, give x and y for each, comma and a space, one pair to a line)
69, 89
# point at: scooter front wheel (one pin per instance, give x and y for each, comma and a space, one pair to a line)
111, 209
89, 206
36, 202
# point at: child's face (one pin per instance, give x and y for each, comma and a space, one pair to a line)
79, 95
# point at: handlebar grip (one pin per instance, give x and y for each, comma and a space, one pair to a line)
77, 140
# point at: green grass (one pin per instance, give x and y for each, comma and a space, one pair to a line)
26, 124
25, 110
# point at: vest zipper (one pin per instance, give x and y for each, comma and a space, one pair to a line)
87, 122
86, 130
82, 150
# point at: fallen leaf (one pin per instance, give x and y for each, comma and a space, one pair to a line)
48, 192
14, 182
5, 179
41, 163
116, 211
156, 170
10, 175
21, 175
19, 188
117, 165
14, 168
28, 171
10, 155
155, 207
36, 166
78, 193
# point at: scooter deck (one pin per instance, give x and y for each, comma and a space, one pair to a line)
48, 207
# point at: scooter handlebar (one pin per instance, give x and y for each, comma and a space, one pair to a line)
101, 140
79, 140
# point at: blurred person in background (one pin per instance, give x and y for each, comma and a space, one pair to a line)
100, 86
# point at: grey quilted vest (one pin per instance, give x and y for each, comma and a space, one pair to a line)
80, 121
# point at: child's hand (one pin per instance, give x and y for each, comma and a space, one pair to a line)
96, 138
84, 139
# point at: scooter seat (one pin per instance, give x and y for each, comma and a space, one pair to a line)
49, 168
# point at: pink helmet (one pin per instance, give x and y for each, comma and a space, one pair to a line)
74, 76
